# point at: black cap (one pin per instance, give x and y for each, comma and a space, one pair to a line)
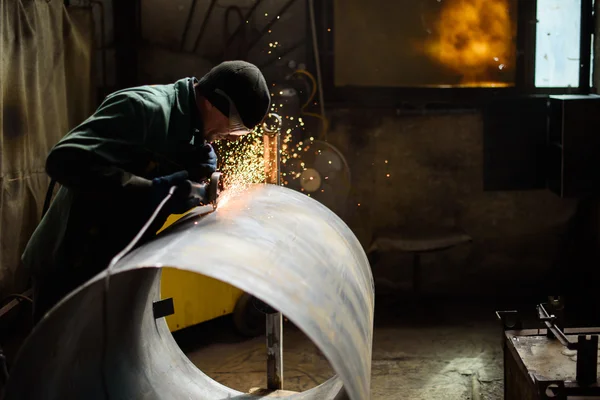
239, 84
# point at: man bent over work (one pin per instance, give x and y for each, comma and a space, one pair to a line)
117, 166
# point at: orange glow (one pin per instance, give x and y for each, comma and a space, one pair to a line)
475, 39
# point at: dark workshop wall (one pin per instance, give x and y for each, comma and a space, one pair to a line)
435, 168
170, 51
435, 164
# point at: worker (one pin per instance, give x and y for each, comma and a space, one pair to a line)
117, 166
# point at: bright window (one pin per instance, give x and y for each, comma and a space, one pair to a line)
557, 43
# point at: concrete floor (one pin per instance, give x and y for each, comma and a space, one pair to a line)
436, 350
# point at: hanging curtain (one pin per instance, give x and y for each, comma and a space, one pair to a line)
46, 88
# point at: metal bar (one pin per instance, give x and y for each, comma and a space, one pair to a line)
187, 24
272, 150
270, 24
270, 147
274, 351
558, 334
274, 321
246, 18
278, 157
204, 24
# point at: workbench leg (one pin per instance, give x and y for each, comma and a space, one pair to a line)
274, 351
587, 360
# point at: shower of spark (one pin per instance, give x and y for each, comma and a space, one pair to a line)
243, 161
475, 38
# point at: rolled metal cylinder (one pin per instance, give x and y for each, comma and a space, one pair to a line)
274, 243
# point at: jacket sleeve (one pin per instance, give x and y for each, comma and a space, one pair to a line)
107, 151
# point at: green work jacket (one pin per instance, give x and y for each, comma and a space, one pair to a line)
142, 132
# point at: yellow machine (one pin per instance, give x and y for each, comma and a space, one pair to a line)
196, 298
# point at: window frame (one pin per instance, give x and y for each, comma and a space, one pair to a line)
401, 97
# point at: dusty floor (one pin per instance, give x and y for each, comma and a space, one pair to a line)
437, 350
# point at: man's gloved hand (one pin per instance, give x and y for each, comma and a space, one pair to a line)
205, 163
181, 201
211, 158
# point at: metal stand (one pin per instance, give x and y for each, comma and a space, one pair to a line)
586, 347
274, 325
539, 386
274, 351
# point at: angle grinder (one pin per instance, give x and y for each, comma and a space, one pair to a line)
207, 192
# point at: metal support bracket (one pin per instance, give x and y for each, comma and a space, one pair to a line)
163, 308
586, 347
274, 324
275, 351
510, 320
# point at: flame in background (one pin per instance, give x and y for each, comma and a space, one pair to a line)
474, 38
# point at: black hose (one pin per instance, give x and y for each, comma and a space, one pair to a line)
15, 296
105, 305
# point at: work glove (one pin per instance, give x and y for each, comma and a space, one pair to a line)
211, 158
204, 163
181, 201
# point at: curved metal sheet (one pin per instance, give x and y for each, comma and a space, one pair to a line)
272, 242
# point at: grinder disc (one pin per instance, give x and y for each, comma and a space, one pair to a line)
214, 187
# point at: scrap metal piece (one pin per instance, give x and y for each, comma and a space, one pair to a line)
274, 243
